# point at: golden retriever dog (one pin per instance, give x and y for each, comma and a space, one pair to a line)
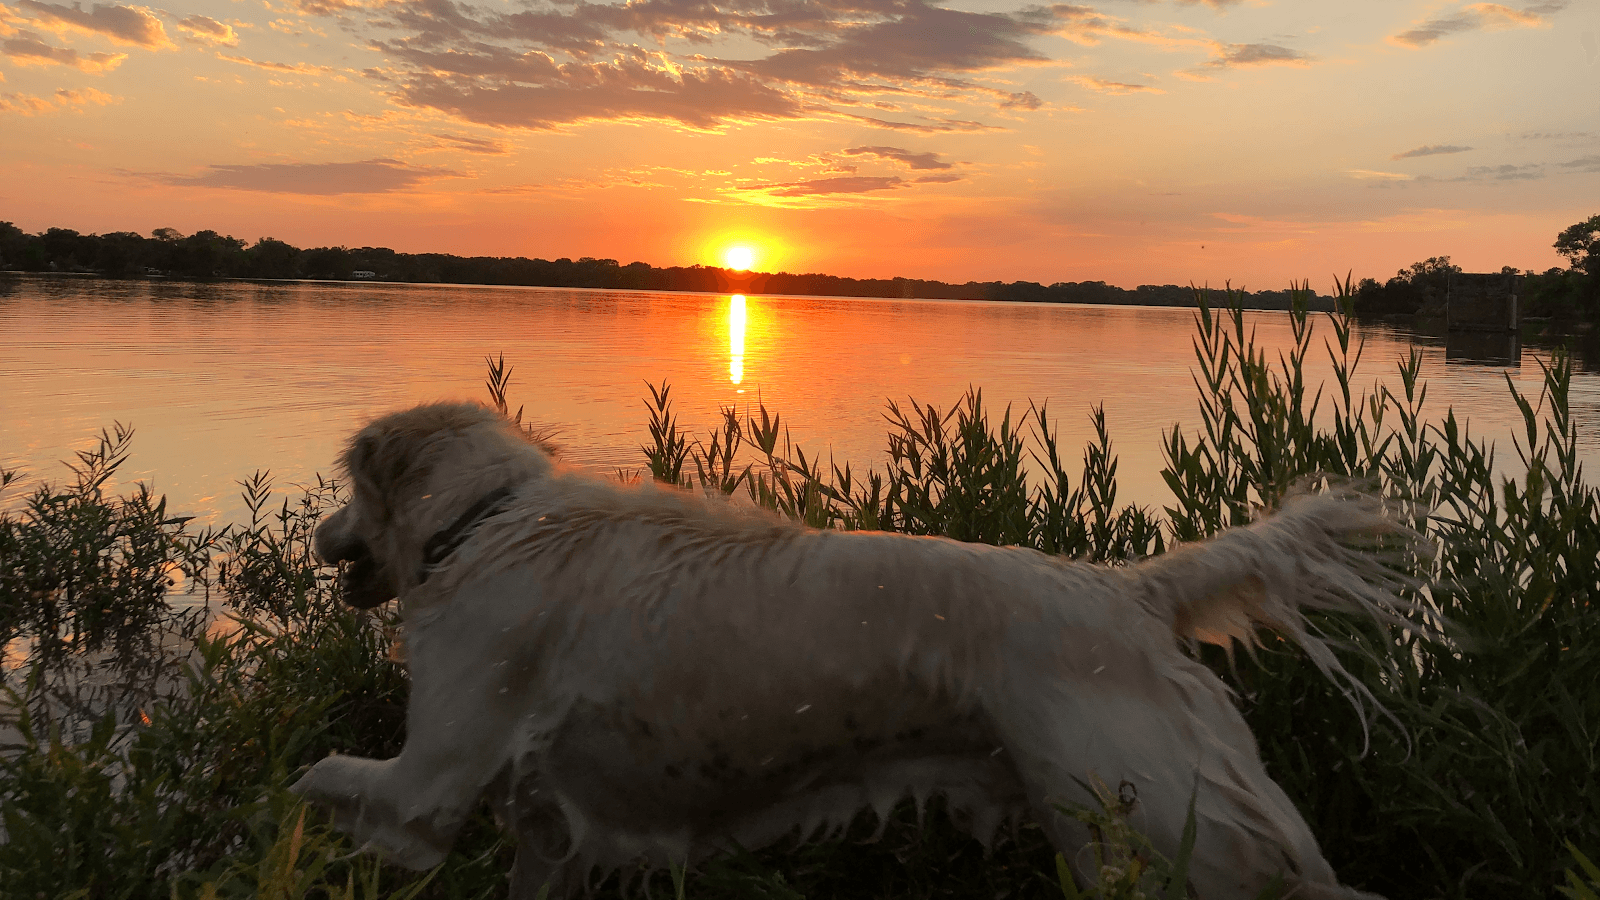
643, 675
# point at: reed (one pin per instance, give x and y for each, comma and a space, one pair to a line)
150, 744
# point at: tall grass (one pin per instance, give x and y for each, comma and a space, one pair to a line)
152, 743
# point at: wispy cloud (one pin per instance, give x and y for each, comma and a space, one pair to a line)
135, 26
1106, 86
27, 48
844, 184
549, 65
1506, 172
295, 68
372, 176
468, 144
1375, 175
1589, 163
1431, 150
31, 105
1243, 56
206, 30
898, 154
1478, 17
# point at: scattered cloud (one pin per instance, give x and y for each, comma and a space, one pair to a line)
1478, 17
206, 30
1088, 26
550, 64
1374, 175
468, 144
295, 68
928, 126
1555, 135
27, 48
1242, 56
1508, 172
897, 154
1105, 86
134, 26
30, 105
844, 184
628, 88
1589, 163
372, 176
1431, 150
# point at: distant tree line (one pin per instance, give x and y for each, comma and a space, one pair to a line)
207, 254
1570, 294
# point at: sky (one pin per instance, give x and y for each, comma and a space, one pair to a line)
1253, 142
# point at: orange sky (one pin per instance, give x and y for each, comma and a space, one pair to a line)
1134, 141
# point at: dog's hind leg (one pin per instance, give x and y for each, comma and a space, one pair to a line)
1158, 745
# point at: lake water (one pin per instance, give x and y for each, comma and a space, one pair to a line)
221, 379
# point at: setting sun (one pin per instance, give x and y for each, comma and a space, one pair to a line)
739, 256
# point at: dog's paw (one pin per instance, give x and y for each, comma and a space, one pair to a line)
343, 787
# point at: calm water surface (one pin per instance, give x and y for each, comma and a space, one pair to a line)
222, 379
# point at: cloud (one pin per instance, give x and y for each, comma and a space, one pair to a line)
551, 64
295, 68
1113, 87
909, 159
206, 30
1478, 17
27, 48
1373, 175
135, 26
840, 186
1504, 173
469, 144
30, 105
1240, 56
1087, 25
625, 89
928, 126
1431, 150
1583, 164
845, 184
372, 176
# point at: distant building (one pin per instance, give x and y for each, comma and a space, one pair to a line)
1478, 302
362, 274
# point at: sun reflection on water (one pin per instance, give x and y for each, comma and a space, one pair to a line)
736, 323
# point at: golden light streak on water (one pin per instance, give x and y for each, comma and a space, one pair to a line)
736, 324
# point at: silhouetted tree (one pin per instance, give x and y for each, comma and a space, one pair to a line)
1421, 285
1580, 244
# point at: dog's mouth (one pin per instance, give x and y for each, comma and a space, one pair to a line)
363, 580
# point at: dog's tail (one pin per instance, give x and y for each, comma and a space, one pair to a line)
1341, 551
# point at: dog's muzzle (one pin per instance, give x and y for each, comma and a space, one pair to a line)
365, 582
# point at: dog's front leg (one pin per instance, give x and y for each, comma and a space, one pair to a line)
412, 806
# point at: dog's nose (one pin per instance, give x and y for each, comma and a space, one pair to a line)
334, 545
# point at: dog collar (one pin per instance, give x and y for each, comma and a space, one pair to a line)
445, 541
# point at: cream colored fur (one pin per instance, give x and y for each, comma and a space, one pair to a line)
640, 675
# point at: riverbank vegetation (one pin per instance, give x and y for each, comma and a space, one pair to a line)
139, 768
1569, 298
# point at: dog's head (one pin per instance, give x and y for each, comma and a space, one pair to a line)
412, 475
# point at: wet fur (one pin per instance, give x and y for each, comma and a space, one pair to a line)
641, 675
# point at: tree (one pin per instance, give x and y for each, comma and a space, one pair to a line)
1580, 244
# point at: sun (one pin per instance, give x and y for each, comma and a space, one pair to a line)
739, 256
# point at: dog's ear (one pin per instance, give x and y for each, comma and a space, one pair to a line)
380, 462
